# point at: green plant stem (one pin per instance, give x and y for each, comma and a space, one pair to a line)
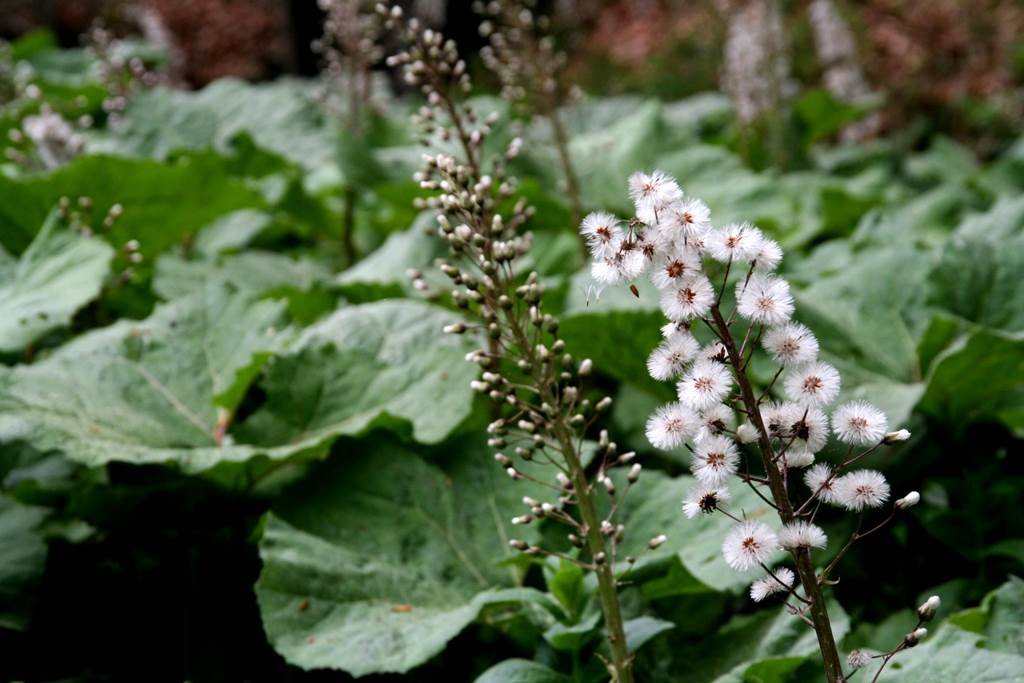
572, 183
348, 247
607, 586
801, 556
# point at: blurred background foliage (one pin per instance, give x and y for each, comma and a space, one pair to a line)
198, 242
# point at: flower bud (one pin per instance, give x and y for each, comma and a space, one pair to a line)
634, 473
502, 459
909, 500
530, 502
894, 437
657, 541
518, 545
586, 367
926, 612
522, 519
604, 404
915, 637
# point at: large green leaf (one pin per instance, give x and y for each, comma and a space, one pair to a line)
383, 361
978, 378
953, 655
22, 558
377, 560
746, 641
163, 202
653, 507
280, 116
979, 274
521, 671
148, 391
58, 274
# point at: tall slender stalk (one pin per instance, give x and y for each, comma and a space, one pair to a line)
780, 497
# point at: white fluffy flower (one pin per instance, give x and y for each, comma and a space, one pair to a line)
780, 580
670, 357
819, 480
684, 221
704, 385
674, 327
862, 489
715, 351
671, 425
768, 256
675, 267
748, 545
702, 499
734, 242
778, 417
716, 419
747, 433
796, 459
764, 299
622, 266
652, 193
812, 384
801, 534
859, 424
602, 233
715, 460
791, 344
808, 431
858, 659
689, 299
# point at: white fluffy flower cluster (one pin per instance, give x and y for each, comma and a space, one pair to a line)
671, 237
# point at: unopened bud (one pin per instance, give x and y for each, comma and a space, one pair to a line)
511, 472
604, 404
657, 541
519, 545
530, 502
522, 519
609, 485
586, 367
502, 459
926, 612
607, 528
909, 500
634, 473
915, 637
894, 437
454, 328
576, 540
599, 558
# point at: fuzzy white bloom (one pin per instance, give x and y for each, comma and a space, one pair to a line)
764, 299
820, 481
734, 242
812, 384
801, 534
715, 459
704, 500
862, 489
809, 430
651, 193
768, 256
796, 459
689, 299
684, 222
704, 385
715, 351
791, 344
858, 659
622, 266
747, 433
602, 233
780, 580
859, 424
675, 266
748, 545
716, 419
670, 357
671, 425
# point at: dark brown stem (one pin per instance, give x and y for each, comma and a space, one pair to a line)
802, 556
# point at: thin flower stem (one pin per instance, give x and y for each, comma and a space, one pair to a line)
802, 557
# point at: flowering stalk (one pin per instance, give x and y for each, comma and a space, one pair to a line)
526, 61
671, 236
350, 48
541, 415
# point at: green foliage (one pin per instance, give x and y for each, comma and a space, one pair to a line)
303, 414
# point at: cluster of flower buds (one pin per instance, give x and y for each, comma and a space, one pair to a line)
122, 74
671, 237
523, 55
350, 47
46, 140
541, 413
